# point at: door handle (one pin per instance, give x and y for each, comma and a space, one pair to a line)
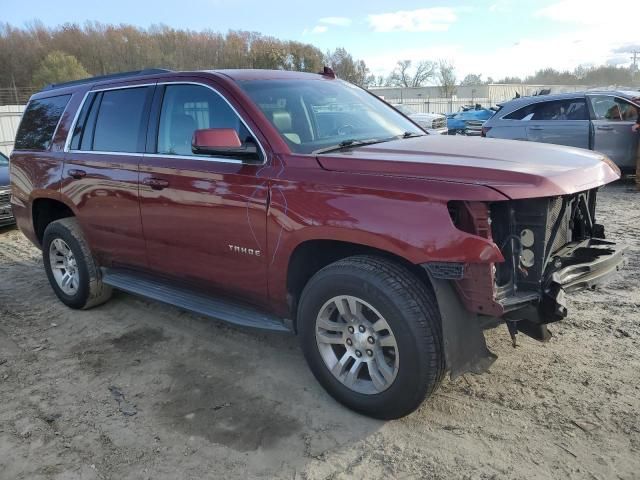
604, 127
76, 173
155, 183
536, 128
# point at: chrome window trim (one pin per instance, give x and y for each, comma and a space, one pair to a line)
207, 158
104, 152
201, 158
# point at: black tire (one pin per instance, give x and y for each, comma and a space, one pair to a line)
410, 309
90, 291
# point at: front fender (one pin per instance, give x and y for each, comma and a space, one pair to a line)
414, 225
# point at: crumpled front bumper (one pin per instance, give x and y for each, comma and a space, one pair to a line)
577, 266
587, 264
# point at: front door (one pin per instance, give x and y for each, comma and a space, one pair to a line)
204, 217
563, 122
613, 118
100, 174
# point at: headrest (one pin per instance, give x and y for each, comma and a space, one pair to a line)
282, 121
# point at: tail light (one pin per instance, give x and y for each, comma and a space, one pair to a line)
484, 131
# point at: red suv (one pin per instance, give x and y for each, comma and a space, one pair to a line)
299, 202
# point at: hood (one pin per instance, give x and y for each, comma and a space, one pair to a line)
4, 176
514, 168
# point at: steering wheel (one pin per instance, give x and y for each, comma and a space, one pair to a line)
345, 129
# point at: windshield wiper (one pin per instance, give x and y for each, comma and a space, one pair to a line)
410, 135
352, 142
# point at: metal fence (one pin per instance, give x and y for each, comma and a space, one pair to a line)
16, 96
439, 105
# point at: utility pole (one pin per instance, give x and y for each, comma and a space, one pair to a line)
634, 67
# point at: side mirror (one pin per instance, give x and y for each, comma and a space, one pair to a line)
224, 142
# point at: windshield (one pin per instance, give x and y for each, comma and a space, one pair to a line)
313, 115
4, 161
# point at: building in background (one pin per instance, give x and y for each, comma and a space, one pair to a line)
10, 116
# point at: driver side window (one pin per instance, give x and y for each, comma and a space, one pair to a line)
187, 108
614, 109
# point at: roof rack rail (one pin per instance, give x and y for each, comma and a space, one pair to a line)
111, 76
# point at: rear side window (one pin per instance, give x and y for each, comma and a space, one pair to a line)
39, 123
571, 109
119, 121
113, 121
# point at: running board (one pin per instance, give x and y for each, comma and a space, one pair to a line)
225, 310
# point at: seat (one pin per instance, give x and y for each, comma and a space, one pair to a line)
282, 121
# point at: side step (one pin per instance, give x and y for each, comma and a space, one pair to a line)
221, 309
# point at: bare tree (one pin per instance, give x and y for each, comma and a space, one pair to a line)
345, 67
471, 79
446, 78
401, 76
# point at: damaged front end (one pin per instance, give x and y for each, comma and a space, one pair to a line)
551, 246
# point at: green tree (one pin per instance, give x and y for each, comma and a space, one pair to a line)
58, 67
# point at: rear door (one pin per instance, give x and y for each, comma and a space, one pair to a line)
204, 217
100, 175
562, 122
613, 118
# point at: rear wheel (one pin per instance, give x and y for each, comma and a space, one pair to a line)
370, 331
70, 267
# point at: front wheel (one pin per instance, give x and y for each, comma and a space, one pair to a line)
370, 331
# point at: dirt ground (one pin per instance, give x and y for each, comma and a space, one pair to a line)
135, 389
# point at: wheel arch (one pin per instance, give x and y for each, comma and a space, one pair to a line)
45, 210
310, 256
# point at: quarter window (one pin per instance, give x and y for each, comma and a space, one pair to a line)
571, 109
606, 107
187, 108
39, 123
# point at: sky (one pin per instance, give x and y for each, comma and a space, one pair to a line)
494, 38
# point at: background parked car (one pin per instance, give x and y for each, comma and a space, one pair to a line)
433, 123
6, 215
595, 120
457, 122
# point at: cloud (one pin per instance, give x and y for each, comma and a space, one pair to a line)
319, 29
437, 19
593, 13
563, 51
336, 21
